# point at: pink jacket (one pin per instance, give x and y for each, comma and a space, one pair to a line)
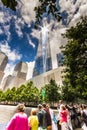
63, 116
18, 122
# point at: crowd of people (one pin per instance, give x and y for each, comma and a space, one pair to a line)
67, 117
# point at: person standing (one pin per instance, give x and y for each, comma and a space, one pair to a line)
53, 118
84, 117
19, 121
58, 107
63, 118
48, 117
42, 118
69, 118
33, 119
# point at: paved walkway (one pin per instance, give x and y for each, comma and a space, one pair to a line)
3, 125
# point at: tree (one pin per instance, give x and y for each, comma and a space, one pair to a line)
19, 93
1, 95
52, 91
13, 93
47, 8
30, 92
8, 95
10, 3
75, 53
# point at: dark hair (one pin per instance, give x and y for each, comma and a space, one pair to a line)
44, 105
39, 106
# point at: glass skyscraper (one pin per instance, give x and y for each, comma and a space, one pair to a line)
43, 62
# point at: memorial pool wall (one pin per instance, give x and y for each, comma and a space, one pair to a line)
7, 111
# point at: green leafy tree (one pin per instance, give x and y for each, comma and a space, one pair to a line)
18, 93
8, 95
10, 3
1, 95
30, 92
47, 8
75, 53
52, 92
13, 92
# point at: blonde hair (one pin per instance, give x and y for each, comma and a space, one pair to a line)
33, 111
20, 107
63, 107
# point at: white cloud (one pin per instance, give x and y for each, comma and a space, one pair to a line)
7, 32
30, 42
66, 5
19, 23
74, 11
1, 17
18, 30
82, 11
9, 69
30, 69
35, 33
4, 29
27, 10
12, 55
1, 32
6, 17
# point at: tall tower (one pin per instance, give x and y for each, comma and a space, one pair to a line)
20, 70
43, 59
18, 77
3, 63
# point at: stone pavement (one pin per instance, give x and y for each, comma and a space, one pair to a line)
3, 125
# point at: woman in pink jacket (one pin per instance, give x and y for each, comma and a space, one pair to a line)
19, 121
63, 118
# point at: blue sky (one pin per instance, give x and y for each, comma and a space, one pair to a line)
19, 39
16, 34
16, 38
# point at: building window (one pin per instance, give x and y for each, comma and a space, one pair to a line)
60, 59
